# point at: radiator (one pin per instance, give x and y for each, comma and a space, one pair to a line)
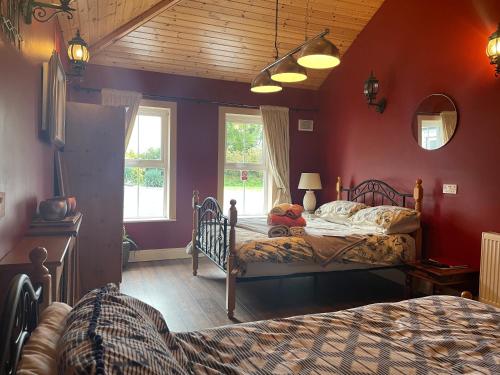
489, 277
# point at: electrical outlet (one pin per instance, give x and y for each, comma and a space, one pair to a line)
450, 189
2, 205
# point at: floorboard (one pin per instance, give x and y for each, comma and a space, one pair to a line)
192, 303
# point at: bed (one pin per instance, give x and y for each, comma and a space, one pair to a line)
218, 237
110, 333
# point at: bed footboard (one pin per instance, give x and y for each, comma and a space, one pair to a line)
214, 235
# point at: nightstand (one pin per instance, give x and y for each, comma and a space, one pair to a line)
458, 279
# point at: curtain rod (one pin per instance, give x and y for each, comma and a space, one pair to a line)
189, 99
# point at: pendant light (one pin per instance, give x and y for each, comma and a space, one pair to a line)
318, 53
287, 70
263, 84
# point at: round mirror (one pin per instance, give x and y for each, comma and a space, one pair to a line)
434, 121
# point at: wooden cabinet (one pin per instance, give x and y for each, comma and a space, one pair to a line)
61, 244
94, 159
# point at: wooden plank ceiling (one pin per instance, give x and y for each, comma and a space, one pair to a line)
221, 39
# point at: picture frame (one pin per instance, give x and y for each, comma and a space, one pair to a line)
56, 101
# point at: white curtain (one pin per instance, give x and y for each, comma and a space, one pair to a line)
277, 137
449, 119
128, 99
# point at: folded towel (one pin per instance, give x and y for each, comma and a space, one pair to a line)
278, 231
297, 231
286, 209
285, 220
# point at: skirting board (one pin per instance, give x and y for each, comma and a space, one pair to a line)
158, 254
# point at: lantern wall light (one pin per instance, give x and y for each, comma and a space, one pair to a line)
371, 90
493, 50
78, 55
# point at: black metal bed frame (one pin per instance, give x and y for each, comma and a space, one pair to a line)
212, 232
19, 318
212, 224
378, 193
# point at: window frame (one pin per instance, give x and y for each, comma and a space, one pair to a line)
269, 182
168, 160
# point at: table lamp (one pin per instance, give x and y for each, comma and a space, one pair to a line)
309, 182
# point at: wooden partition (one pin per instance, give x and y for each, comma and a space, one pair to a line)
94, 159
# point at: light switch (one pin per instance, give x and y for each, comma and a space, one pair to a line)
2, 205
450, 189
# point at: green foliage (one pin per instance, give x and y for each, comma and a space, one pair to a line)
232, 179
149, 154
243, 143
153, 177
148, 177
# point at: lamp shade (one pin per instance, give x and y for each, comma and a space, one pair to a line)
319, 54
310, 181
371, 87
287, 70
78, 52
263, 84
493, 49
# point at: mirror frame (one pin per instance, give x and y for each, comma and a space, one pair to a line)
415, 114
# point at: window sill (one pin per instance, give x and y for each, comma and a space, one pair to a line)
145, 220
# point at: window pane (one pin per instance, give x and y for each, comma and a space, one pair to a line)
145, 140
249, 193
243, 142
144, 192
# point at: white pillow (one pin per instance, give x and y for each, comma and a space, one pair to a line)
338, 211
386, 219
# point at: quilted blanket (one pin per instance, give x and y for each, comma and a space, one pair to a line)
432, 335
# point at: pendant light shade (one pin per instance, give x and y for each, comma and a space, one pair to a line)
263, 84
319, 54
287, 70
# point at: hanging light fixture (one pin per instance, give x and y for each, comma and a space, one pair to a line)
263, 84
315, 53
287, 70
319, 54
493, 50
78, 54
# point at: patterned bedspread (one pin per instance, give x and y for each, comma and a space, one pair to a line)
254, 247
432, 335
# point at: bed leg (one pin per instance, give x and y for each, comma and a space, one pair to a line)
231, 262
230, 294
194, 250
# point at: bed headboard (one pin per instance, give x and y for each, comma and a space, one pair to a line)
376, 192
24, 301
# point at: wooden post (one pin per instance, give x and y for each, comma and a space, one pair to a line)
194, 249
231, 269
339, 188
418, 195
40, 275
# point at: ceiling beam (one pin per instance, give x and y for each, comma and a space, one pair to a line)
131, 25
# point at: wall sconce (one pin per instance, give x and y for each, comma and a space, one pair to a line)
371, 91
493, 50
78, 54
38, 10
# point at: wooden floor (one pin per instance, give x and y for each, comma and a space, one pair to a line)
192, 303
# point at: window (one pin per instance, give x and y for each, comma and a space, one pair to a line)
150, 163
431, 131
243, 171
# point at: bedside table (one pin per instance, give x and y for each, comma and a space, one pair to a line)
459, 279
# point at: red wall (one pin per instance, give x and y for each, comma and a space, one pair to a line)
26, 169
419, 47
197, 137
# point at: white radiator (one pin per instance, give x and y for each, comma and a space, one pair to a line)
489, 278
